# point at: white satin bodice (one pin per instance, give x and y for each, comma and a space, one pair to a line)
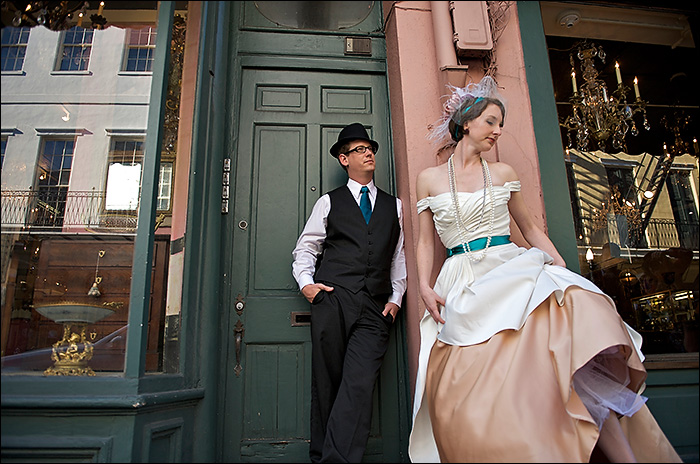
470, 204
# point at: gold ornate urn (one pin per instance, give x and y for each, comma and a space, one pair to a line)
72, 353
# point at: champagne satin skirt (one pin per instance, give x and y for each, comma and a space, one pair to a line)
512, 398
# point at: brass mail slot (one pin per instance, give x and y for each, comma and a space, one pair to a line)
301, 318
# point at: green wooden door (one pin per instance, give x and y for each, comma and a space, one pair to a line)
280, 167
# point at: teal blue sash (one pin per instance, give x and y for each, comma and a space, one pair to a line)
478, 244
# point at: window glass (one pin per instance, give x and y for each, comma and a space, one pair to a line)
124, 176
71, 192
165, 184
75, 50
635, 205
685, 211
52, 182
140, 47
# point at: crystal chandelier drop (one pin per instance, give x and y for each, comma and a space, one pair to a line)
598, 116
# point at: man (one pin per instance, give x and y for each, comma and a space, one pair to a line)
351, 266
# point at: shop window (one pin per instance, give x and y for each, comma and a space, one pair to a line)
68, 268
14, 48
636, 221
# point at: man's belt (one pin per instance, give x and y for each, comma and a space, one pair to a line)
478, 244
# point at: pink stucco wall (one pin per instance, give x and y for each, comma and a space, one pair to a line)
416, 88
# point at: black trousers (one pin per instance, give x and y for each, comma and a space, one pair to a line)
349, 337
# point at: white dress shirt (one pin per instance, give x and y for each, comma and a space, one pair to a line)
311, 240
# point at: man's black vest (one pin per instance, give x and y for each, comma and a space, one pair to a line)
357, 254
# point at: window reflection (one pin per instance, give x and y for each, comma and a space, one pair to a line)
635, 209
72, 171
140, 48
14, 48
648, 265
76, 46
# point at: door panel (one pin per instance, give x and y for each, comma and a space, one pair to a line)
281, 165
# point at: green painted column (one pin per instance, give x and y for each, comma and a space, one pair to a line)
555, 187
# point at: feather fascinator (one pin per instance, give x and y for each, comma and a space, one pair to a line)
458, 103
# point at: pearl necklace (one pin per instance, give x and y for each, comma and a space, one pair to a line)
488, 186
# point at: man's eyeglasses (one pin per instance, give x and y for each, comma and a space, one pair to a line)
360, 150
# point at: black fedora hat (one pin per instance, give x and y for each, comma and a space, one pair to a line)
354, 131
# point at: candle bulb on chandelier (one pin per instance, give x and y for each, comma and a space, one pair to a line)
573, 81
80, 19
617, 73
99, 10
636, 88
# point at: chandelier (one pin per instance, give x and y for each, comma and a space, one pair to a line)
599, 116
54, 15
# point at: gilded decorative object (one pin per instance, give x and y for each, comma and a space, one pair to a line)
72, 353
171, 121
598, 116
94, 290
617, 205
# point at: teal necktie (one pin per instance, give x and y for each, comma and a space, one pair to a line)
365, 205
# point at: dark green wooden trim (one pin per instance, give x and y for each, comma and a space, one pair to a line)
332, 64
37, 448
286, 45
195, 250
101, 402
555, 187
664, 377
137, 336
31, 385
202, 342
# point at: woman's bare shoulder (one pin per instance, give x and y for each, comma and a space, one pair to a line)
502, 172
428, 179
431, 172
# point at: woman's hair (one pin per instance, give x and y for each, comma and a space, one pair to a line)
471, 109
463, 105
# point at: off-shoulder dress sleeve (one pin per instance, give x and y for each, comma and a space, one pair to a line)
423, 204
512, 186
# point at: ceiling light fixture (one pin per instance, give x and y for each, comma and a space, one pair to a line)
54, 15
597, 114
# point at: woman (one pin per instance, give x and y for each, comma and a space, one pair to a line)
521, 359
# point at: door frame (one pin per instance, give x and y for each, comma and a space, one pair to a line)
233, 50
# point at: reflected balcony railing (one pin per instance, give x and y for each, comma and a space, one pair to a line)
659, 233
57, 209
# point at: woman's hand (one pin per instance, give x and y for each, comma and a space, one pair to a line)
433, 302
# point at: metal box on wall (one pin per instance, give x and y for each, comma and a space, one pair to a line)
472, 28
